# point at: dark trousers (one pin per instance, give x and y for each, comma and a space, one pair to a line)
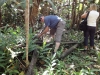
89, 34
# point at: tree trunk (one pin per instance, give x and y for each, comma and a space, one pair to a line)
27, 29
0, 17
74, 5
34, 12
32, 64
80, 13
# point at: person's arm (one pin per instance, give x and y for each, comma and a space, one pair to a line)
84, 15
44, 31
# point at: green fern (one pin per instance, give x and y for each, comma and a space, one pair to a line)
98, 57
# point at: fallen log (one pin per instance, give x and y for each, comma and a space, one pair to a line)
70, 42
67, 42
68, 51
30, 70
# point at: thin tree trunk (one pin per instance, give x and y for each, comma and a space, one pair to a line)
30, 70
0, 16
74, 5
27, 29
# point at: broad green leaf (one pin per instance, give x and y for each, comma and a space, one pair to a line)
1, 65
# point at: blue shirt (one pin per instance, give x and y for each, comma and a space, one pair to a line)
51, 20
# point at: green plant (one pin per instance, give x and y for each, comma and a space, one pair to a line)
98, 57
8, 50
87, 71
4, 58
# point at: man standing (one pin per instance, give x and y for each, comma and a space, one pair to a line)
56, 26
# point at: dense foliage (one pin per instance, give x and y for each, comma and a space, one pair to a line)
12, 39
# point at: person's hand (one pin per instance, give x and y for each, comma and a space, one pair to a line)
39, 35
